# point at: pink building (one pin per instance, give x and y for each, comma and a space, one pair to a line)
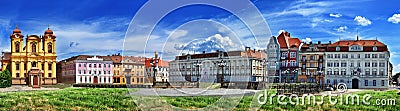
87, 69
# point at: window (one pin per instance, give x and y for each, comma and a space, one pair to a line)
374, 72
374, 55
50, 47
374, 48
49, 75
367, 72
356, 48
329, 64
90, 65
292, 54
336, 63
284, 54
303, 58
33, 45
366, 83
79, 65
343, 64
374, 64
330, 56
374, 83
337, 48
343, 72
94, 65
49, 66
358, 55
42, 66
367, 56
383, 83
351, 55
381, 72
344, 55
17, 75
382, 56
33, 64
336, 72
312, 57
337, 55
17, 47
100, 65
17, 66
367, 64
292, 63
328, 81
381, 64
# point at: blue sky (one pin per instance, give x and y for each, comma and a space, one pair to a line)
103, 26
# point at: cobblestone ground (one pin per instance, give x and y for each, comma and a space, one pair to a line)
18, 88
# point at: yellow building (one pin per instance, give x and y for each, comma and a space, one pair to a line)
32, 61
128, 69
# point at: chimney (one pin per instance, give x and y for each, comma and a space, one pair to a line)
183, 54
330, 42
310, 42
217, 50
319, 42
204, 52
254, 50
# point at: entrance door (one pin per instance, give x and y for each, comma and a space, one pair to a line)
355, 83
96, 80
35, 80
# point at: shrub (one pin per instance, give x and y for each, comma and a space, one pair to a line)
5, 79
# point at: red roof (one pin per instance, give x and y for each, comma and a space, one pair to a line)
357, 42
286, 41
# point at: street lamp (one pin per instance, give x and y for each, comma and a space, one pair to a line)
197, 64
221, 64
263, 63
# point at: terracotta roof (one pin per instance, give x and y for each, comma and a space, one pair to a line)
116, 58
357, 42
132, 59
161, 63
286, 41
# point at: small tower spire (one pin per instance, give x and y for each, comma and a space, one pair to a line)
48, 27
357, 34
16, 26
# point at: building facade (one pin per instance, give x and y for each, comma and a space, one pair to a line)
311, 63
273, 59
220, 67
133, 70
358, 64
34, 51
156, 69
86, 69
289, 50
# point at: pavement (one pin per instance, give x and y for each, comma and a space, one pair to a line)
193, 92
21, 88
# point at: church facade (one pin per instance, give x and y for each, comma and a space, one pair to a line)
32, 59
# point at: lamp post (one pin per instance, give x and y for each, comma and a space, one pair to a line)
263, 63
221, 64
197, 64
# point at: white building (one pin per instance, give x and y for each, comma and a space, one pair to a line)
219, 67
357, 63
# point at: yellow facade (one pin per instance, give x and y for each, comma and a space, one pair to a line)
35, 51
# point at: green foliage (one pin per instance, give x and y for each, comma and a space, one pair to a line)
5, 79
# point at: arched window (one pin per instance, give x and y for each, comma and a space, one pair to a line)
16, 46
33, 64
50, 47
33, 46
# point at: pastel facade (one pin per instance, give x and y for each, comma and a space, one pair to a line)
358, 64
38, 52
85, 69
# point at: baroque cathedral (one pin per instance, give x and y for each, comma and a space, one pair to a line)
32, 59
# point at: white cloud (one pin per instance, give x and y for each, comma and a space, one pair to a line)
335, 15
341, 29
362, 21
394, 19
326, 20
212, 43
307, 40
177, 33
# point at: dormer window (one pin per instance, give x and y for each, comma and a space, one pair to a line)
337, 48
375, 48
356, 48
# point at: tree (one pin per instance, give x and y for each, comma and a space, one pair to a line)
5, 79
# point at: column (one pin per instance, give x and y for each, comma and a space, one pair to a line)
53, 69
